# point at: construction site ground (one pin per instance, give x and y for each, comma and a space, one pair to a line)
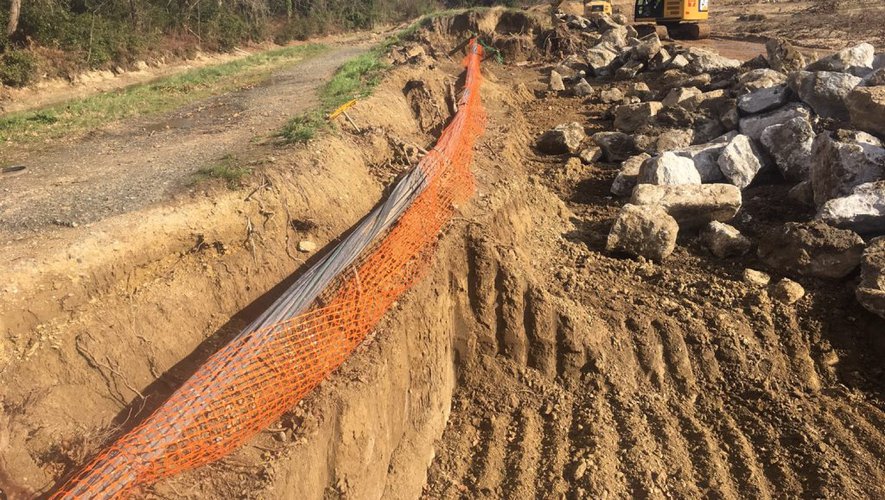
530, 363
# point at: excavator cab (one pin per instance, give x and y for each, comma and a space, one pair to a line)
685, 19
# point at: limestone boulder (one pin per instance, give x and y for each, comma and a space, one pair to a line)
812, 249
863, 211
789, 144
825, 91
753, 126
740, 161
668, 169
626, 179
646, 231
843, 160
692, 205
565, 138
857, 60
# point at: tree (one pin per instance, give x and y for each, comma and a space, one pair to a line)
15, 9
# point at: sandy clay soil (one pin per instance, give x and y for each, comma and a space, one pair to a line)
530, 363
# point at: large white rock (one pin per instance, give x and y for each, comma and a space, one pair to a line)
863, 211
842, 161
626, 179
753, 126
646, 231
740, 161
599, 58
825, 91
789, 144
857, 60
706, 61
706, 160
668, 169
762, 100
692, 205
647, 48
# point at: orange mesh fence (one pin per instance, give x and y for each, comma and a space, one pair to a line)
252, 381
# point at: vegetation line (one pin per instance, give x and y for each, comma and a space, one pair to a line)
157, 97
356, 79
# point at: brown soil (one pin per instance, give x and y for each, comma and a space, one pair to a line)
530, 363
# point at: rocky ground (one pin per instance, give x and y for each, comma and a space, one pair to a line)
709, 322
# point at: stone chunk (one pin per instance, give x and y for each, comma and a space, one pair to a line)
677, 95
871, 291
565, 138
582, 88
725, 241
645, 231
556, 83
611, 95
826, 92
599, 58
692, 205
756, 278
863, 211
674, 139
788, 292
630, 117
616, 146
753, 126
857, 60
866, 106
760, 79
647, 48
789, 144
812, 249
783, 57
740, 161
842, 161
707, 61
668, 169
626, 180
765, 99
706, 158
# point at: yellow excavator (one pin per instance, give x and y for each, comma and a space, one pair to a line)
682, 19
598, 7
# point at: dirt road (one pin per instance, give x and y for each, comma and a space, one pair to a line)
131, 165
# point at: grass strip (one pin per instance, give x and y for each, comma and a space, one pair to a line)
143, 99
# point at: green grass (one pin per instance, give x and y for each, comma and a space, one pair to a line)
226, 170
356, 79
162, 95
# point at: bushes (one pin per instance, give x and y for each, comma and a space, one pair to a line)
103, 34
17, 68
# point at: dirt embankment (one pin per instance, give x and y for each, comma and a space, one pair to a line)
548, 366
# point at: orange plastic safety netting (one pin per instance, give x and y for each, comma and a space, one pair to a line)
253, 380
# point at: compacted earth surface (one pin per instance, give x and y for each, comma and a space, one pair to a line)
563, 346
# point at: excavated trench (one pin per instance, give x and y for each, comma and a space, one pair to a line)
528, 363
